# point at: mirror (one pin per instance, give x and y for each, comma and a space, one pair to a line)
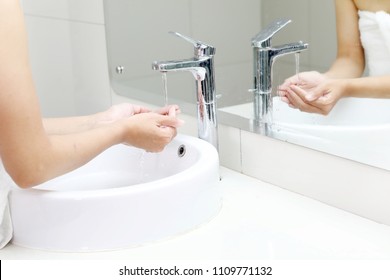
137, 34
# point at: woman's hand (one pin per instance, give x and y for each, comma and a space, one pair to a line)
121, 111
312, 92
126, 110
307, 81
320, 100
152, 131
171, 110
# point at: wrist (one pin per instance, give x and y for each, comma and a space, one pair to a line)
117, 130
348, 87
100, 119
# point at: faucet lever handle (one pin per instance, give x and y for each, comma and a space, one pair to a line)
263, 39
201, 49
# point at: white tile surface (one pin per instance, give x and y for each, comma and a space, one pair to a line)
90, 68
69, 65
51, 61
322, 28
257, 221
85, 10
137, 42
232, 40
233, 82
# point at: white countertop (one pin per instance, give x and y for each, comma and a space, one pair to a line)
257, 221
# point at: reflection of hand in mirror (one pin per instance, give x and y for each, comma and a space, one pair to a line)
359, 44
306, 80
311, 92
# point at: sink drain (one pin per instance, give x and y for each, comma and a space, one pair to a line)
181, 151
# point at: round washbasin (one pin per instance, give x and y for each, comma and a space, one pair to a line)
356, 128
356, 121
347, 112
124, 197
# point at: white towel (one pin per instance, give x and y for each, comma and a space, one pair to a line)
5, 216
375, 37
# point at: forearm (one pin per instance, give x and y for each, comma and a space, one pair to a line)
46, 157
58, 126
368, 87
67, 125
346, 67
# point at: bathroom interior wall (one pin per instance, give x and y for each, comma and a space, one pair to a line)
68, 55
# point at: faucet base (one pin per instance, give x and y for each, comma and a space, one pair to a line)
262, 107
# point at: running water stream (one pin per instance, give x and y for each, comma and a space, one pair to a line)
297, 66
165, 87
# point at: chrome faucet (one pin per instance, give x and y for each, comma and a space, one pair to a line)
264, 56
202, 67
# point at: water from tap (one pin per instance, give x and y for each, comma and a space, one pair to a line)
297, 66
141, 162
144, 175
165, 87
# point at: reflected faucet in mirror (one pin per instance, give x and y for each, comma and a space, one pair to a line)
202, 67
264, 56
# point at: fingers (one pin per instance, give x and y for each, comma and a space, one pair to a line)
301, 93
168, 116
307, 96
303, 100
161, 139
293, 80
308, 92
151, 131
297, 100
167, 130
170, 121
140, 109
170, 109
287, 84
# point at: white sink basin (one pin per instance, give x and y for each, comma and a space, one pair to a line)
125, 197
348, 112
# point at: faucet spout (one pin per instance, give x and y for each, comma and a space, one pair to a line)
189, 65
289, 48
202, 68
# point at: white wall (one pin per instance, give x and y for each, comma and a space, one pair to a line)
68, 55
